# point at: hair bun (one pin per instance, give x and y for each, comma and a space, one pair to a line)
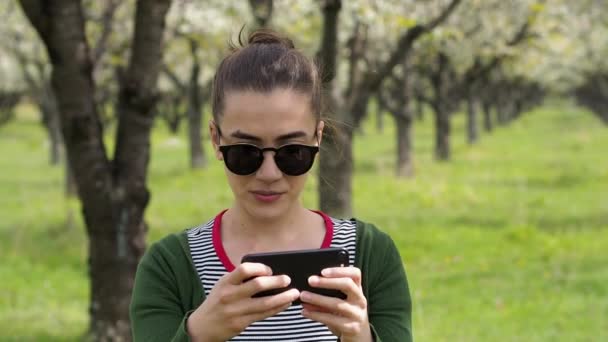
265, 36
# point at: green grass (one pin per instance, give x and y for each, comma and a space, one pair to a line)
507, 242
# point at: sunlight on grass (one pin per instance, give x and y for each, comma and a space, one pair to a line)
506, 242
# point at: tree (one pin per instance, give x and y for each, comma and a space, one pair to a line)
464, 54
195, 95
396, 97
349, 105
262, 11
113, 193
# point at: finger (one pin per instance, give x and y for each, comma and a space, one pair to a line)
337, 324
263, 304
312, 307
343, 272
352, 291
263, 283
330, 305
258, 316
248, 270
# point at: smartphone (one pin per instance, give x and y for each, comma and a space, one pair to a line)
299, 265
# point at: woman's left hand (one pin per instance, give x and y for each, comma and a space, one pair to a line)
346, 318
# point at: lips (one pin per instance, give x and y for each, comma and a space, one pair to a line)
266, 193
266, 196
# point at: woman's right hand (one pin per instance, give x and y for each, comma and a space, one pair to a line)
229, 307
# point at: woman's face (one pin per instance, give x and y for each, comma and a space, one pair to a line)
274, 119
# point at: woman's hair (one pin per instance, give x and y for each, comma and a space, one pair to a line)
268, 61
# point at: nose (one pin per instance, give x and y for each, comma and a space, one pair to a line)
269, 171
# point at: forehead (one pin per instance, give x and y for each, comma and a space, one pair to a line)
267, 114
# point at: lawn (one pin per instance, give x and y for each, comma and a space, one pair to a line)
506, 242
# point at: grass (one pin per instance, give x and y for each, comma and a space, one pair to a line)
507, 242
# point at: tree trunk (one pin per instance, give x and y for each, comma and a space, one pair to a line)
71, 190
197, 152
262, 12
380, 118
404, 120
335, 159
47, 105
472, 132
353, 109
419, 110
440, 107
53, 128
502, 106
442, 134
405, 165
487, 116
335, 171
195, 116
117, 249
113, 194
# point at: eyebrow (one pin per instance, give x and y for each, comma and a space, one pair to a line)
293, 135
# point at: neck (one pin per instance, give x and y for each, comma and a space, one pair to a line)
239, 221
297, 229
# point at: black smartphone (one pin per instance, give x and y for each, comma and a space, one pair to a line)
299, 265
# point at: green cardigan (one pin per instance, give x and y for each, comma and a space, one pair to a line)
167, 288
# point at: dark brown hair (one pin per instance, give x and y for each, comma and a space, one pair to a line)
268, 61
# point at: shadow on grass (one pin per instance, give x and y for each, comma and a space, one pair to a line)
43, 337
562, 181
40, 244
550, 224
590, 222
479, 221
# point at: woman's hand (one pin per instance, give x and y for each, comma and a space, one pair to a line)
347, 318
229, 308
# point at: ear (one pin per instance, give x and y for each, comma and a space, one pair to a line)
215, 139
320, 127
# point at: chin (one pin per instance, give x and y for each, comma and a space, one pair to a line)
267, 211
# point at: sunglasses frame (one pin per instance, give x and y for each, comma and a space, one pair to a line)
312, 149
225, 148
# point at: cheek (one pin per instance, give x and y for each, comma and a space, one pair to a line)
297, 183
236, 182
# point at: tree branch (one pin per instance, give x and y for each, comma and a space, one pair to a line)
107, 18
167, 71
327, 54
138, 97
61, 27
405, 44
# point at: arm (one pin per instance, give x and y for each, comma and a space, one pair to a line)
157, 313
385, 285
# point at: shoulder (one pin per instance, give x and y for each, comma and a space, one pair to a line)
170, 252
367, 234
177, 245
370, 235
375, 247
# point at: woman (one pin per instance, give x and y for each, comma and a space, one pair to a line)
267, 129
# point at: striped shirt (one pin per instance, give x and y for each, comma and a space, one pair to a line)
211, 263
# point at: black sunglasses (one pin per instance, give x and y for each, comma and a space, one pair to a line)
292, 159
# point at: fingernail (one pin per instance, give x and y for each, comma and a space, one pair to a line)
287, 280
325, 272
304, 296
296, 294
313, 279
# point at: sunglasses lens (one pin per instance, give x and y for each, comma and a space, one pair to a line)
243, 159
295, 160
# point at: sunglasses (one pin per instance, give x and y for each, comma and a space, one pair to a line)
292, 159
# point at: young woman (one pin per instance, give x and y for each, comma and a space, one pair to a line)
267, 129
